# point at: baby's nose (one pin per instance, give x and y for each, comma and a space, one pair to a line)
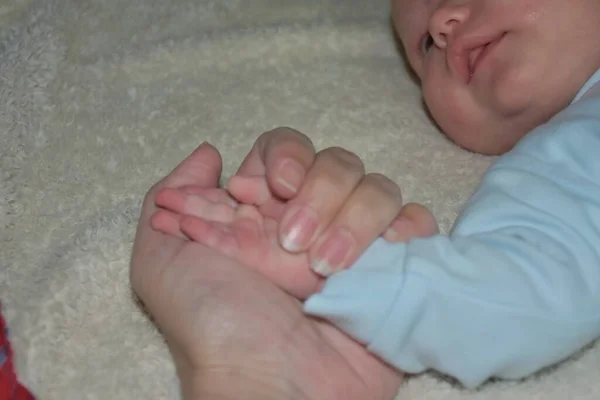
445, 19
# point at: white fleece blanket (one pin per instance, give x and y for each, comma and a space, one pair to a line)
100, 98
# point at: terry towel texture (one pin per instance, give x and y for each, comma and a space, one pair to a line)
99, 99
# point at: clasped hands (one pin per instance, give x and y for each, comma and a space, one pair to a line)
221, 270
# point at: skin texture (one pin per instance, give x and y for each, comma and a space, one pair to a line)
331, 184
223, 320
541, 53
240, 231
225, 323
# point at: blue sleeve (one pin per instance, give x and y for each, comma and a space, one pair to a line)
516, 285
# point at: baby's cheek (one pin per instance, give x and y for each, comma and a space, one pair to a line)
456, 115
442, 108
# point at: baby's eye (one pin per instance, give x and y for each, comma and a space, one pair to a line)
426, 43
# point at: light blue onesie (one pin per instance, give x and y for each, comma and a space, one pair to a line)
516, 285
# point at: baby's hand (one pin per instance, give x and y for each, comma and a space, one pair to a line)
413, 220
211, 217
346, 209
325, 203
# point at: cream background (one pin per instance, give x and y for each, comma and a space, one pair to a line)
99, 99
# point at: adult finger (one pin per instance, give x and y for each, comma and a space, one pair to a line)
365, 215
414, 220
283, 156
334, 176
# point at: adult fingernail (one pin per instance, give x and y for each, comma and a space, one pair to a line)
298, 228
291, 175
332, 254
400, 230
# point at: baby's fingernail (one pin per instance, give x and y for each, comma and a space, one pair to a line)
291, 175
332, 254
298, 228
233, 203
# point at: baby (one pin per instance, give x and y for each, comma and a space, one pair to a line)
515, 287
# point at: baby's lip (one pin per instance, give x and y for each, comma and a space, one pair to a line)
464, 56
477, 55
474, 57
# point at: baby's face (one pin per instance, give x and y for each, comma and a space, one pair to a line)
492, 70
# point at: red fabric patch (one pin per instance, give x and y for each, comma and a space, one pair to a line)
10, 388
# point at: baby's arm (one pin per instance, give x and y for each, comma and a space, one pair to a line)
516, 286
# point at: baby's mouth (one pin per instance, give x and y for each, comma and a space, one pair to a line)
477, 55
474, 57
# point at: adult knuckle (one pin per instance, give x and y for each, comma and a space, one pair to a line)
363, 214
285, 142
345, 159
385, 186
338, 171
334, 185
286, 132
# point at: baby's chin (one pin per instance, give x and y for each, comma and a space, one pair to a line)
485, 130
488, 139
486, 126
489, 147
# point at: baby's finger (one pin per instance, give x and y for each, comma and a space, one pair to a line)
283, 156
254, 190
332, 178
414, 220
177, 201
215, 235
251, 190
167, 222
215, 195
364, 217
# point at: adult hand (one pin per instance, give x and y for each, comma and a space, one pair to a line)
232, 333
326, 203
